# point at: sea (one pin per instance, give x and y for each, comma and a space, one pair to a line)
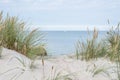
64, 42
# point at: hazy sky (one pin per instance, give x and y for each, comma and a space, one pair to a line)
64, 14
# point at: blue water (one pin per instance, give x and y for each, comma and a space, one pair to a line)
61, 42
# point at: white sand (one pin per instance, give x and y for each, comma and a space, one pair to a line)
77, 69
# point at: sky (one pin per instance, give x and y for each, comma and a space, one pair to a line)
64, 14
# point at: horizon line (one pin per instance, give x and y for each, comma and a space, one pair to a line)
72, 27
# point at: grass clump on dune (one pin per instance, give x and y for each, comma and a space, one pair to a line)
90, 48
16, 36
113, 49
113, 43
109, 47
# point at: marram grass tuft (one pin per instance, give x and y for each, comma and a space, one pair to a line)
16, 36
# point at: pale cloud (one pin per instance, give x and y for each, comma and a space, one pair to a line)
71, 27
31, 4
4, 1
58, 12
61, 4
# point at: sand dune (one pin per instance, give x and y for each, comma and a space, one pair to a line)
62, 66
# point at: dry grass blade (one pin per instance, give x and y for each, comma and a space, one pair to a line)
95, 34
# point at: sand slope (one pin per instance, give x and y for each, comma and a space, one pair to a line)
62, 66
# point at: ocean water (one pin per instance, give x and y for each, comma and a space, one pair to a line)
63, 42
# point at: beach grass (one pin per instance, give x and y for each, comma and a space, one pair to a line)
90, 48
113, 40
113, 43
16, 36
